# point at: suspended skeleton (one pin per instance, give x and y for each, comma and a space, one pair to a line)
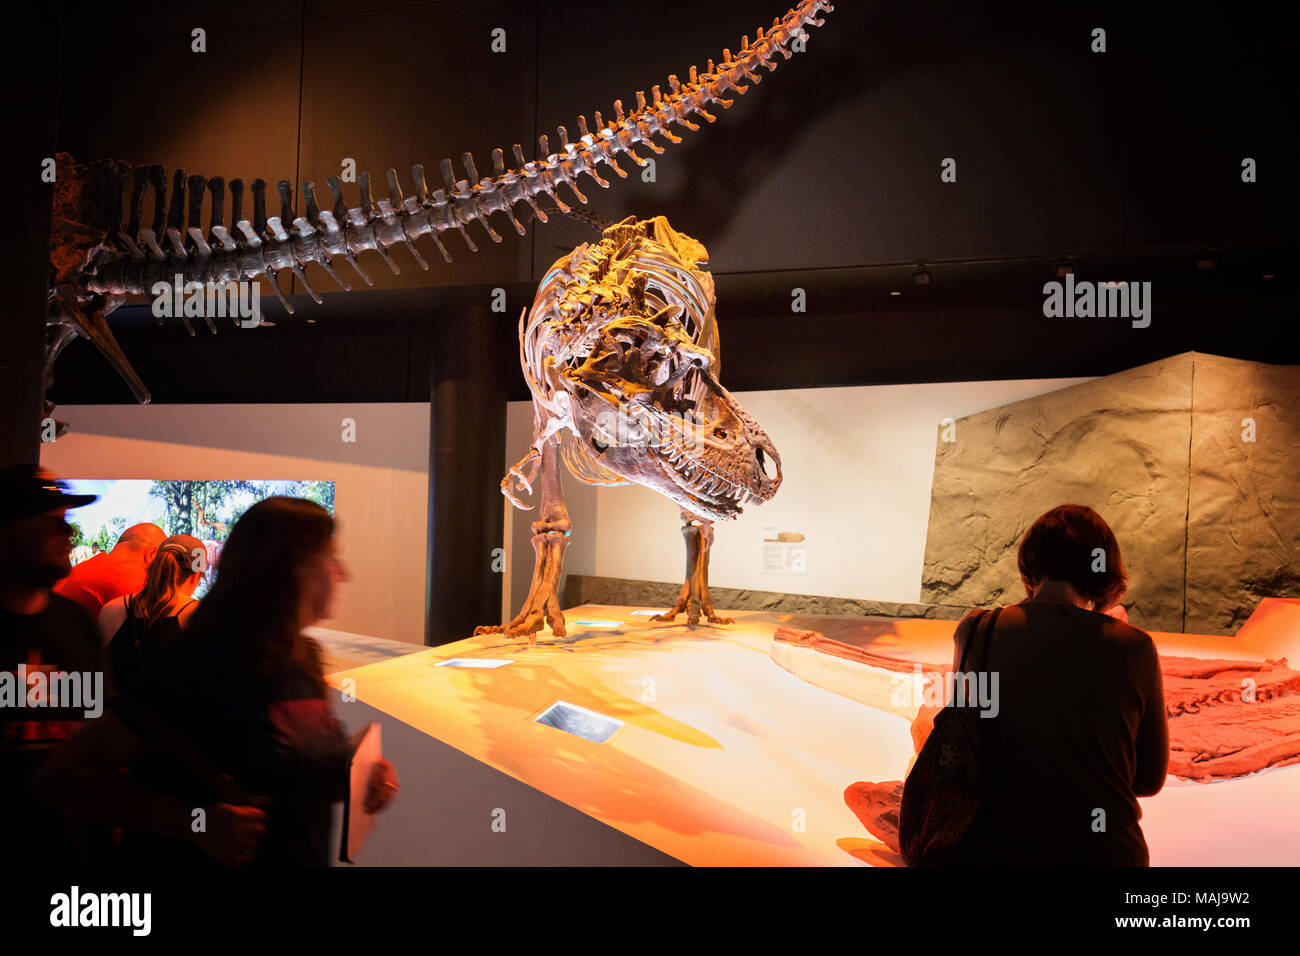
620, 351
96, 263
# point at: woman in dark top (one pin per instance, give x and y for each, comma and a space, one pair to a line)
1080, 731
140, 627
237, 723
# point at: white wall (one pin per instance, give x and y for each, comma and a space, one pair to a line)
380, 493
857, 464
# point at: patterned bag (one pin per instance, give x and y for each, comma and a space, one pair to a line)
943, 793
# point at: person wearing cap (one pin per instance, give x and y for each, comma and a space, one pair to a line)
41, 633
98, 580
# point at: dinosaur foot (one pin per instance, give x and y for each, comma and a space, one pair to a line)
693, 618
528, 622
542, 606
694, 601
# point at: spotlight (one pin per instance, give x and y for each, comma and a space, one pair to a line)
1205, 265
921, 277
1065, 268
895, 293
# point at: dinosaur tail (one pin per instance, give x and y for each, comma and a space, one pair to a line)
132, 261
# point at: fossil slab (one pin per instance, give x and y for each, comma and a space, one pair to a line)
1207, 518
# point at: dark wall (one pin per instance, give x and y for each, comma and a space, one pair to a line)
24, 251
824, 177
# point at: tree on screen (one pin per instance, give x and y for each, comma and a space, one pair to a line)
205, 509
321, 492
209, 509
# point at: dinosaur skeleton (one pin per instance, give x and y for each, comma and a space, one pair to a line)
620, 351
96, 263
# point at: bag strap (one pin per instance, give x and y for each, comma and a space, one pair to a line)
990, 621
983, 625
989, 736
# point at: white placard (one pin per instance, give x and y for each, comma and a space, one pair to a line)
784, 551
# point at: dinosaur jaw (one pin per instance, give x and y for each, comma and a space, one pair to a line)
718, 461
712, 465
716, 477
699, 489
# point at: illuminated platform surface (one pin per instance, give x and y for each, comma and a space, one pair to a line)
724, 757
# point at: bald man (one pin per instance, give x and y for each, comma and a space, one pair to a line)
106, 576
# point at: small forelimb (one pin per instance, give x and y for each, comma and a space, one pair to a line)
524, 473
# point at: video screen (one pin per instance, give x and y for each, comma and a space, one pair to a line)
205, 509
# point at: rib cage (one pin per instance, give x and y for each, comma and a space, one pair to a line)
131, 261
575, 300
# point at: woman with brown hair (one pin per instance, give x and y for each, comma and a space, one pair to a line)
137, 628
238, 723
1073, 729
1080, 730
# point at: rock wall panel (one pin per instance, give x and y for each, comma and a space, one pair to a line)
1207, 519
1244, 515
1118, 444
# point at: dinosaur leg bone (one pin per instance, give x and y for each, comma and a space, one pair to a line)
550, 538
694, 596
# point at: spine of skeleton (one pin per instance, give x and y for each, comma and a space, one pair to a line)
133, 261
